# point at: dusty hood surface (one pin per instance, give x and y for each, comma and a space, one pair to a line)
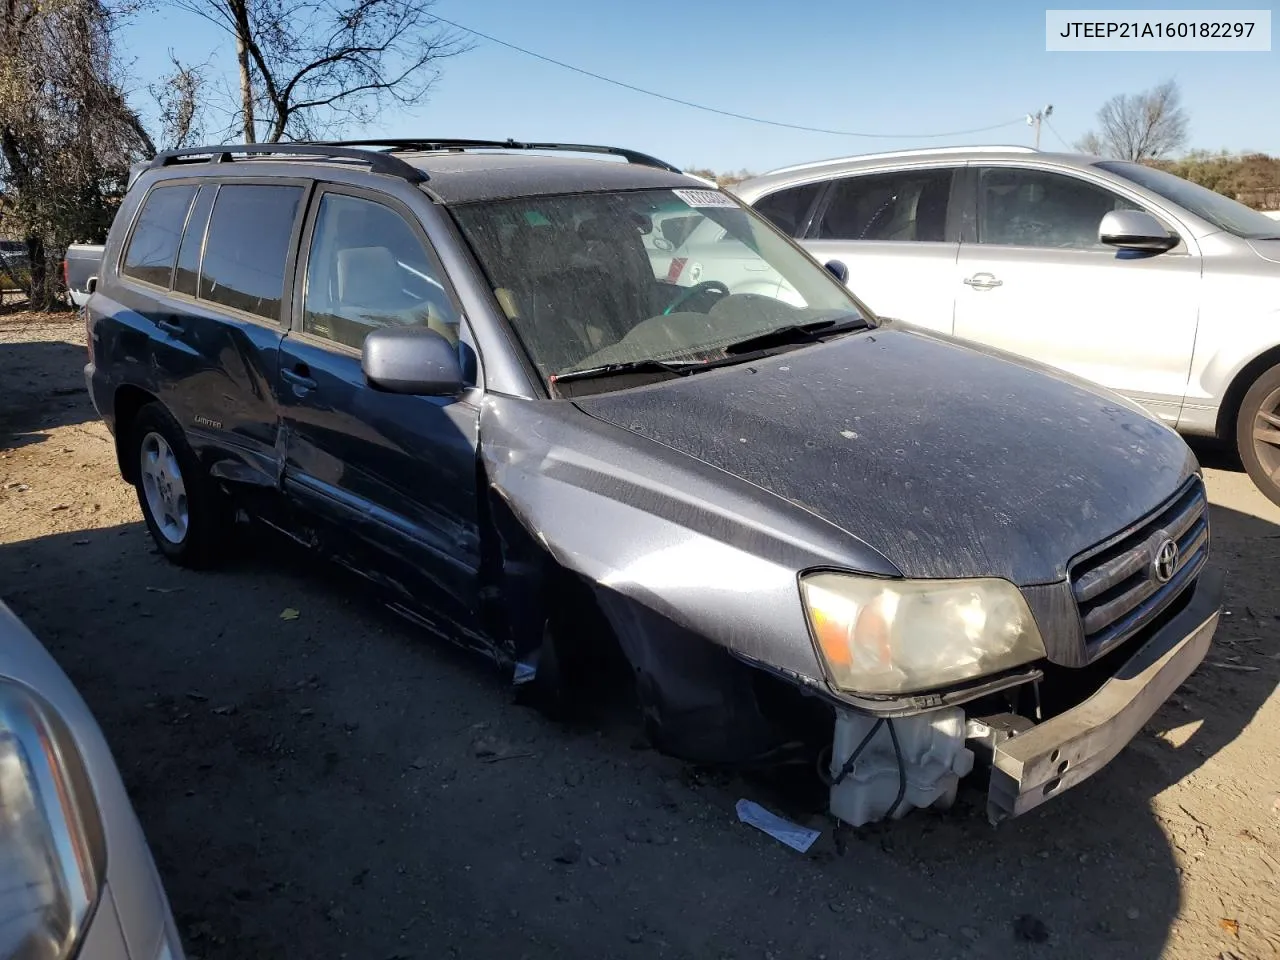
949, 461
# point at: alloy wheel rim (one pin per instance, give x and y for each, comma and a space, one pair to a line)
164, 488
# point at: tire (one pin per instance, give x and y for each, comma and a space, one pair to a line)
186, 515
1258, 433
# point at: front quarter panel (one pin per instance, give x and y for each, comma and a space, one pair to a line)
703, 549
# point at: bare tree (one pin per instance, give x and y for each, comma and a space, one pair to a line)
311, 66
67, 135
178, 94
1139, 126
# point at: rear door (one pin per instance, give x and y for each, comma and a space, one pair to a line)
203, 280
391, 479
231, 276
1038, 283
894, 232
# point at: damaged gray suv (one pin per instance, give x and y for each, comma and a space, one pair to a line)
455, 368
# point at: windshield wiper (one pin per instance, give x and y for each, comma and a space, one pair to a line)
648, 365
814, 332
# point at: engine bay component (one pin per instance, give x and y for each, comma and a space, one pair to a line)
883, 768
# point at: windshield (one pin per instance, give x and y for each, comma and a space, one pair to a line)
1223, 212
615, 278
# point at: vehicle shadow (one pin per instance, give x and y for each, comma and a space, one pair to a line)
1215, 454
44, 388
306, 769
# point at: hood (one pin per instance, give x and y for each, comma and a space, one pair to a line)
951, 461
1267, 249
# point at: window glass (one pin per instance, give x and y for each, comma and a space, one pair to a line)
154, 243
910, 205
583, 287
186, 278
369, 269
247, 246
1033, 208
1223, 212
787, 208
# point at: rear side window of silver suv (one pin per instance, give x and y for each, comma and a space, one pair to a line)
906, 205
789, 209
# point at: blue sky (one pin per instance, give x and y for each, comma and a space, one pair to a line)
902, 68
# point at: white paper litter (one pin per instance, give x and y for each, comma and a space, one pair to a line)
792, 834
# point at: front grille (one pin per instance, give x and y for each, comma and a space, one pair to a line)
1116, 586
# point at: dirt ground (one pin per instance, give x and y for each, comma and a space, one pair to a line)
338, 785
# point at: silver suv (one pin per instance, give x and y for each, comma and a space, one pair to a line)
1162, 290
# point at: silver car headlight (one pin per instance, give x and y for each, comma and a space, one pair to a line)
51, 851
901, 636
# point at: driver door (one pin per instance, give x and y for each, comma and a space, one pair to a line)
388, 481
1038, 283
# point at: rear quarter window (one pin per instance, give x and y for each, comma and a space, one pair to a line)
247, 247
788, 209
154, 244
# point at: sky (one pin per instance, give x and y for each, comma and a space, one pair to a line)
902, 70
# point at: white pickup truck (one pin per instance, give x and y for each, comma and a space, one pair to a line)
80, 271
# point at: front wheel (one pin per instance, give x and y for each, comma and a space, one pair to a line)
1258, 433
183, 511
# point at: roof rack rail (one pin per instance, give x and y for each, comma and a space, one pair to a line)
917, 152
631, 156
378, 161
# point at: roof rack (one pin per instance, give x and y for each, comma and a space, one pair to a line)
378, 161
918, 152
631, 156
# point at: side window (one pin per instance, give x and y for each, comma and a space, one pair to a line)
186, 279
367, 269
1034, 208
154, 243
247, 246
908, 205
788, 208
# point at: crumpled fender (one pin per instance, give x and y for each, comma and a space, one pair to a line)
697, 547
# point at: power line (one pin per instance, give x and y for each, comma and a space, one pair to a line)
716, 110
1054, 131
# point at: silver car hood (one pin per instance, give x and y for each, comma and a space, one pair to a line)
948, 460
1268, 249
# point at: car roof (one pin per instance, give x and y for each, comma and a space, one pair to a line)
466, 177
755, 187
451, 172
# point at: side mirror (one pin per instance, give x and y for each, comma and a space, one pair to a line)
1135, 230
838, 270
91, 285
411, 360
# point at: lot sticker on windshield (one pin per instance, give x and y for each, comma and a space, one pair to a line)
704, 198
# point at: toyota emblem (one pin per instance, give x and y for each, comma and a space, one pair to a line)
1165, 564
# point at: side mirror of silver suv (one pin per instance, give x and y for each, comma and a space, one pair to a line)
1135, 230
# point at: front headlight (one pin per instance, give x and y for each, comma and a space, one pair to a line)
50, 841
901, 636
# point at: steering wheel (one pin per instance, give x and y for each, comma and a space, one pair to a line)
706, 286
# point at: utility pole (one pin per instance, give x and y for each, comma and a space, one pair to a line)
1035, 119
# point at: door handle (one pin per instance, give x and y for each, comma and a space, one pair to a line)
169, 327
983, 281
298, 377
